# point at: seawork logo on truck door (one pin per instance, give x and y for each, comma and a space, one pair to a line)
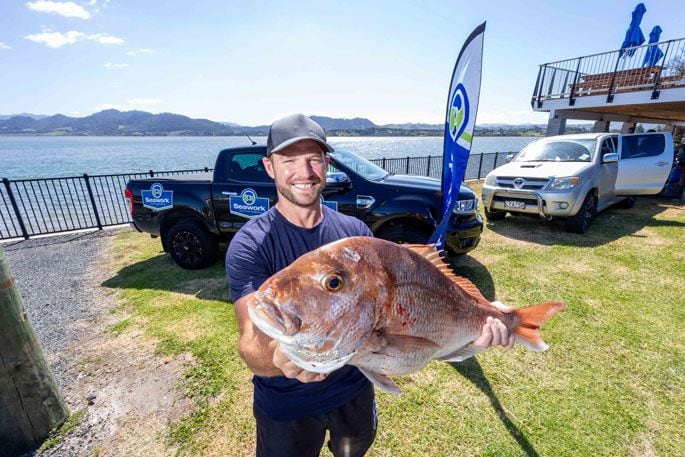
157, 198
248, 204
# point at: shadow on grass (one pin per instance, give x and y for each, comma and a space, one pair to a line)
476, 272
161, 273
472, 371
609, 225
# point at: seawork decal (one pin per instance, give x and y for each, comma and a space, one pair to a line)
248, 204
157, 198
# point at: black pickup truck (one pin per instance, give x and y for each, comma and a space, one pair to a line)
192, 215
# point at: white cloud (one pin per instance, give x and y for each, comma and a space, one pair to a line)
104, 38
116, 65
57, 39
66, 9
139, 51
4, 47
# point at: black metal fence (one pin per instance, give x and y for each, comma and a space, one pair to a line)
30, 207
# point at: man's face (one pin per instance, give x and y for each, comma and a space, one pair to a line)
299, 172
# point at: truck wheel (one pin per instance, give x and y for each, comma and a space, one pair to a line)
495, 215
627, 203
191, 246
580, 222
403, 233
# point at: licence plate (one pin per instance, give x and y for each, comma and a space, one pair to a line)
514, 204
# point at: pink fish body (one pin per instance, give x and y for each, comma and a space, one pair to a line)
385, 308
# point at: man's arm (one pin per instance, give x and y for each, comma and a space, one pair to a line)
254, 346
262, 354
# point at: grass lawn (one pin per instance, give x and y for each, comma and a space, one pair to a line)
612, 383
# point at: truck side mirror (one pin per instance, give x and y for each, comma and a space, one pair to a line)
508, 158
610, 157
338, 180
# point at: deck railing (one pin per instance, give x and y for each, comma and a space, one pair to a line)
608, 73
31, 207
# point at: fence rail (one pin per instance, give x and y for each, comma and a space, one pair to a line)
652, 67
30, 207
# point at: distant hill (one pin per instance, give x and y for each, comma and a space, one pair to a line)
34, 116
114, 122
141, 123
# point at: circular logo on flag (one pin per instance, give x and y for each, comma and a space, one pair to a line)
249, 196
156, 190
458, 112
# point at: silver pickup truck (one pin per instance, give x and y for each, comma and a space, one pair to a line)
576, 176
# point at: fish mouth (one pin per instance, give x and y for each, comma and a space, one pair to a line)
273, 318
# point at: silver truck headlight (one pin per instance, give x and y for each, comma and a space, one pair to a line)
466, 206
491, 180
563, 183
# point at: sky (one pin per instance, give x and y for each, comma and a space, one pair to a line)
251, 62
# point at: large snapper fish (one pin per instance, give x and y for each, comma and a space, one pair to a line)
385, 308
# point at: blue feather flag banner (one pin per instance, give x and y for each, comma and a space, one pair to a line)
460, 120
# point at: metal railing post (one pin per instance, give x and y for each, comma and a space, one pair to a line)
428, 167
542, 83
571, 98
152, 174
407, 168
92, 201
24, 233
383, 167
610, 94
655, 91
480, 165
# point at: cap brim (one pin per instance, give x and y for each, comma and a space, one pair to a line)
327, 147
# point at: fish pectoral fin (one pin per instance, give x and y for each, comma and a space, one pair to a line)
381, 381
408, 342
462, 353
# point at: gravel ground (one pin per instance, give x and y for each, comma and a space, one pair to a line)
52, 274
128, 393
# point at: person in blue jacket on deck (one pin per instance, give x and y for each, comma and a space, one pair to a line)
294, 408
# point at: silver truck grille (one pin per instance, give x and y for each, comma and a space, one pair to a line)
514, 182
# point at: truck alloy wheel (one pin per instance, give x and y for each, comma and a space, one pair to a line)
191, 246
581, 221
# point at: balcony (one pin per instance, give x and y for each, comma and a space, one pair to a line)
618, 85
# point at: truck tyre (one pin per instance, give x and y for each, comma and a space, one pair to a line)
495, 215
191, 245
627, 203
404, 233
580, 222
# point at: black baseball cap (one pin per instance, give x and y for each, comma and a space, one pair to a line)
294, 128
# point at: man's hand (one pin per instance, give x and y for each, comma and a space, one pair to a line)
494, 332
290, 370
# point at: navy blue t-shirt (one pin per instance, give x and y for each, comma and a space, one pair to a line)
264, 246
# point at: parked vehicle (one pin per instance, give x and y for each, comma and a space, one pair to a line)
193, 214
575, 176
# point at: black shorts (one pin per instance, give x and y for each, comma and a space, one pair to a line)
352, 430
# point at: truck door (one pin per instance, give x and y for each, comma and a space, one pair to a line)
644, 164
606, 176
339, 193
242, 190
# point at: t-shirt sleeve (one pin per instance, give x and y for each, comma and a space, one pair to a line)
246, 269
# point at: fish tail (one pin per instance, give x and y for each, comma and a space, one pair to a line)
531, 319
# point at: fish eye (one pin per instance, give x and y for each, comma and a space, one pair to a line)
333, 282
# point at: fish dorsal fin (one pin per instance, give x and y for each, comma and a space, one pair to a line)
429, 252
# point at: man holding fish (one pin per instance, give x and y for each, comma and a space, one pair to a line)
294, 406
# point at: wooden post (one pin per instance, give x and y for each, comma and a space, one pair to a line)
30, 402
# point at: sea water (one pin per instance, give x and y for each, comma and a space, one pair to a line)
47, 156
